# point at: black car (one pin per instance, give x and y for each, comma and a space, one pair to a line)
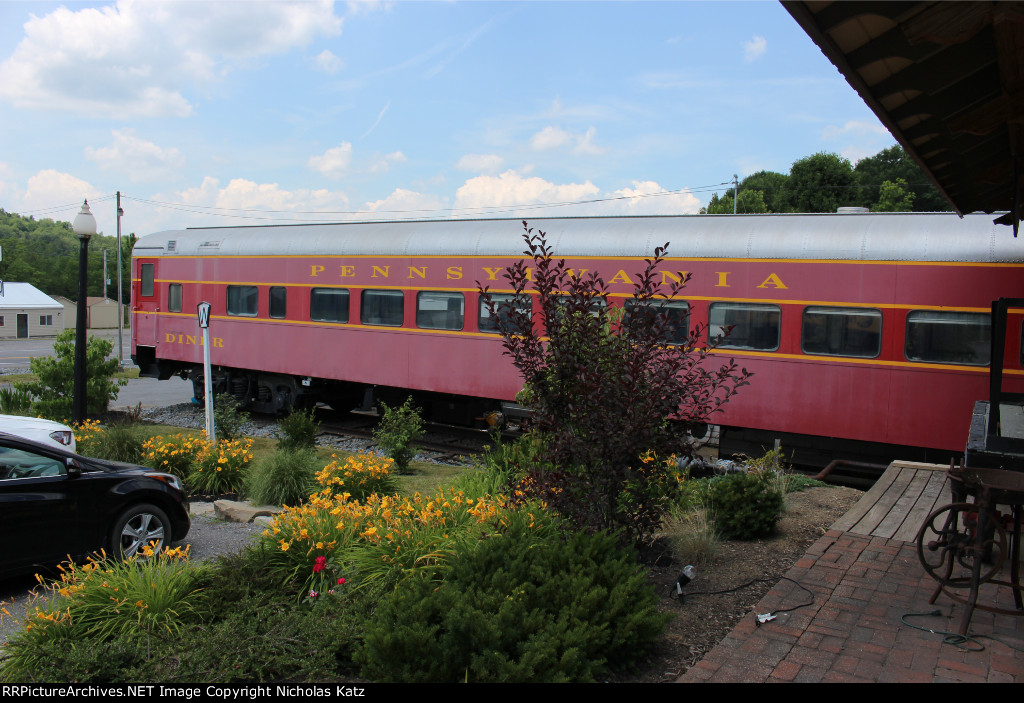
55, 504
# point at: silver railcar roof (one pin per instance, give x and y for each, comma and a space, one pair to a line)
858, 237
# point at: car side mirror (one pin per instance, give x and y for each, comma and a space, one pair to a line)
74, 470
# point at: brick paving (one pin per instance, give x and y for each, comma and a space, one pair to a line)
862, 587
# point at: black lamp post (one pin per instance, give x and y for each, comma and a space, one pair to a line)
84, 226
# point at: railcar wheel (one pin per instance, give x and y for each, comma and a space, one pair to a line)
138, 526
947, 545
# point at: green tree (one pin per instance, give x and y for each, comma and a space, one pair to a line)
772, 186
45, 254
54, 388
750, 202
823, 182
893, 197
891, 165
606, 391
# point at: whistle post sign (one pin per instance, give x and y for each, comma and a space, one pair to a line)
204, 315
204, 322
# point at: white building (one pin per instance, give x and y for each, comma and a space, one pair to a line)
26, 311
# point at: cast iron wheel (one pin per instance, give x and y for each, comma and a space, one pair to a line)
138, 526
948, 539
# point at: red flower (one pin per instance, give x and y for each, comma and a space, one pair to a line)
320, 565
341, 580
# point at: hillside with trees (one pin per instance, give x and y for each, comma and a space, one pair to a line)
889, 181
45, 254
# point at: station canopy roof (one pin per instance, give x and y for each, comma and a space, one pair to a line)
947, 79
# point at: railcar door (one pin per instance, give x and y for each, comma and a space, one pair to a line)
146, 304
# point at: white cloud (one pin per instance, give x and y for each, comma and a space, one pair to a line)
243, 194
511, 188
556, 137
382, 164
754, 49
862, 139
488, 164
853, 154
139, 59
550, 138
327, 62
649, 198
335, 162
585, 144
140, 159
50, 186
404, 202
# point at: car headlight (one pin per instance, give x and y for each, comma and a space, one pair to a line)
169, 479
63, 436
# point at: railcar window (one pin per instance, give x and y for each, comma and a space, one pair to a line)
174, 297
147, 275
754, 325
949, 337
383, 307
842, 331
278, 302
329, 304
436, 310
504, 304
243, 300
677, 313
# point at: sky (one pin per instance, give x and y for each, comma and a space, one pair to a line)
241, 112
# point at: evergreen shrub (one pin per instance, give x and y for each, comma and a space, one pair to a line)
745, 505
515, 609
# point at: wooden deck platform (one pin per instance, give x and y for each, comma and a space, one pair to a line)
897, 505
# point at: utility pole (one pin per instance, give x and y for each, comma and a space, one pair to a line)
735, 192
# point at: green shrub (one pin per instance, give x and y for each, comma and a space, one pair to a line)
399, 428
512, 609
745, 505
227, 417
298, 430
286, 477
54, 387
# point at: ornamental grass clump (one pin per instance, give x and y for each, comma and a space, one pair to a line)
286, 477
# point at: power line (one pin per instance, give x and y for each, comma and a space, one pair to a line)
322, 215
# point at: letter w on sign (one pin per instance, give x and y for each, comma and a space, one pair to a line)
204, 314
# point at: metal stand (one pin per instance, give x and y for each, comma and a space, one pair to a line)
964, 545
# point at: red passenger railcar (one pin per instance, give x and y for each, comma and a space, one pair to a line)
867, 328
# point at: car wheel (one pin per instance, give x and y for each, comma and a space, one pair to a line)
138, 526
